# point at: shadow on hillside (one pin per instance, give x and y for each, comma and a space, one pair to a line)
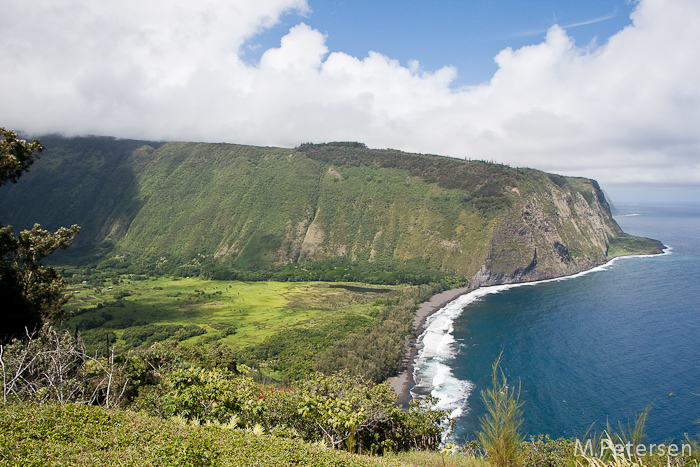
87, 181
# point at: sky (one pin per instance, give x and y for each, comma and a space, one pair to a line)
606, 89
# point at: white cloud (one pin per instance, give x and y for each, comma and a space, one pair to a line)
624, 111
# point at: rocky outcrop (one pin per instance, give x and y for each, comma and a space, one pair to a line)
561, 227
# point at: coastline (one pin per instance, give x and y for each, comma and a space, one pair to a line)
404, 382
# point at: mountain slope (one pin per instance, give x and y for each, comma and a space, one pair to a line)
170, 205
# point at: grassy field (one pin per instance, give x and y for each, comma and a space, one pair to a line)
626, 245
252, 310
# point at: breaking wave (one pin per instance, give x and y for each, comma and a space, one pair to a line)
437, 347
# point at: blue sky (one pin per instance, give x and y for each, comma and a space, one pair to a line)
606, 89
466, 34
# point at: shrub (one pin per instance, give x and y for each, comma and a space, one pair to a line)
500, 428
543, 451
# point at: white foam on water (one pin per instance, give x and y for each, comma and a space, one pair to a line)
452, 394
432, 373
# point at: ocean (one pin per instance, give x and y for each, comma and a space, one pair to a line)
587, 350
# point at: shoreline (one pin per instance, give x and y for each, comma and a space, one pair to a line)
404, 382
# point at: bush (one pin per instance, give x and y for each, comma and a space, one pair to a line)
500, 428
543, 451
342, 411
53, 366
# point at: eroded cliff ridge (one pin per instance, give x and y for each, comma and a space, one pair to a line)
162, 207
556, 227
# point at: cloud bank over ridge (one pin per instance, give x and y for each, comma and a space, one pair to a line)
627, 111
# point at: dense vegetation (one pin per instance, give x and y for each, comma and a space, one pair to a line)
168, 411
333, 212
629, 245
90, 436
342, 411
288, 329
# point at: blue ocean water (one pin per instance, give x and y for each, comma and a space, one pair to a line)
599, 347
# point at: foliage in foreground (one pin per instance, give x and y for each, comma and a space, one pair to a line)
613, 454
341, 411
504, 446
500, 433
48, 434
90, 436
214, 415
444, 458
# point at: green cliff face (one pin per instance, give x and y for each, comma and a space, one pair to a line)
251, 208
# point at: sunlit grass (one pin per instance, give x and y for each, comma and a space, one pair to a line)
437, 459
256, 309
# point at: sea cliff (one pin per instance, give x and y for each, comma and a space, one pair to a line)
377, 215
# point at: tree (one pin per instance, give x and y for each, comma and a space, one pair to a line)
16, 155
41, 286
31, 294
